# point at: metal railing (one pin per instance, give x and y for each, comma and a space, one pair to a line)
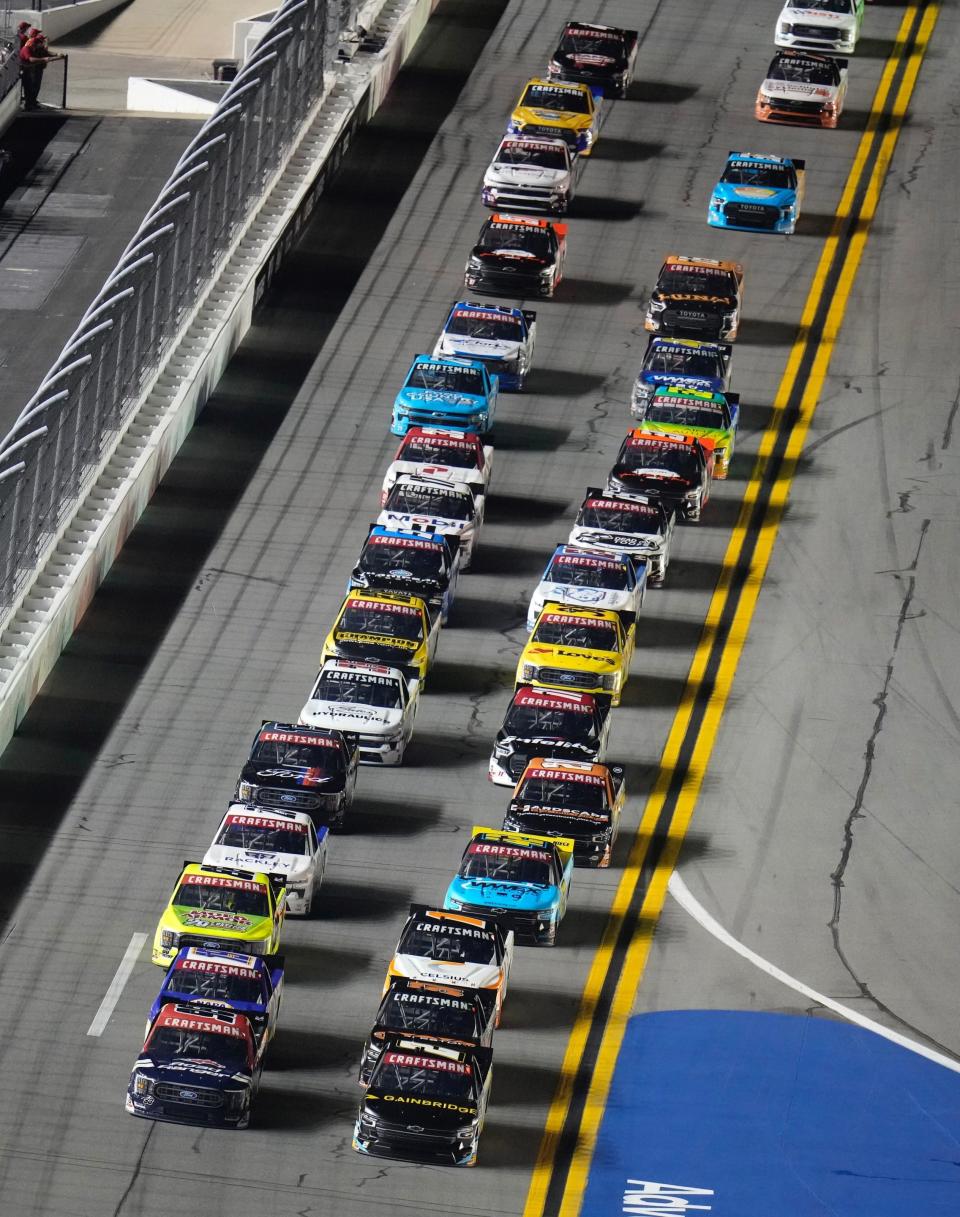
9, 67
64, 432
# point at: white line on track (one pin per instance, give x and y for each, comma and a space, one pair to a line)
681, 893
120, 978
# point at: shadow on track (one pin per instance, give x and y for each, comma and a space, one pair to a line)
438, 752
299, 1048
529, 437
594, 291
508, 560
762, 332
465, 678
626, 150
338, 901
69, 722
592, 207
555, 382
660, 93
283, 1110
507, 508
485, 613
385, 818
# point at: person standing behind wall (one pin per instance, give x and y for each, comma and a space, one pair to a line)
34, 57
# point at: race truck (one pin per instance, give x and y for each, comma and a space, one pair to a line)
434, 1013
681, 361
196, 1067
425, 1102
575, 726
455, 393
300, 769
627, 524
375, 703
802, 88
704, 415
517, 256
277, 841
588, 650
420, 563
585, 578
438, 453
222, 909
601, 56
676, 470
385, 628
501, 336
583, 801
530, 173
831, 26
758, 193
473, 952
521, 879
560, 110
251, 985
696, 298
435, 507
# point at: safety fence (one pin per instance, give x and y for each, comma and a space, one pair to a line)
9, 67
59, 440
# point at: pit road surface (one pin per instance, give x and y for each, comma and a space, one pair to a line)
145, 726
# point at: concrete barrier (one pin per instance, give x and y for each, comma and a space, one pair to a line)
131, 472
65, 18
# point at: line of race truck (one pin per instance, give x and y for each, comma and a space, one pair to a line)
425, 1067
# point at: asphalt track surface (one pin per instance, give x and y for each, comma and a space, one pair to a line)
216, 613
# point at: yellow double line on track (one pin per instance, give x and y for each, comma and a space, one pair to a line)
566, 1150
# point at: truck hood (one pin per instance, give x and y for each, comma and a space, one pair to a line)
442, 473
517, 260
795, 90
362, 720
550, 745
469, 975
255, 859
478, 348
189, 919
769, 195
817, 16
570, 657
708, 384
657, 483
617, 540
592, 597
559, 821
408, 522
506, 897
525, 175
433, 1115
466, 403
200, 1072
569, 120
259, 773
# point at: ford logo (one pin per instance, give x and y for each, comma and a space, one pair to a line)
288, 798
188, 1094
414, 1128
